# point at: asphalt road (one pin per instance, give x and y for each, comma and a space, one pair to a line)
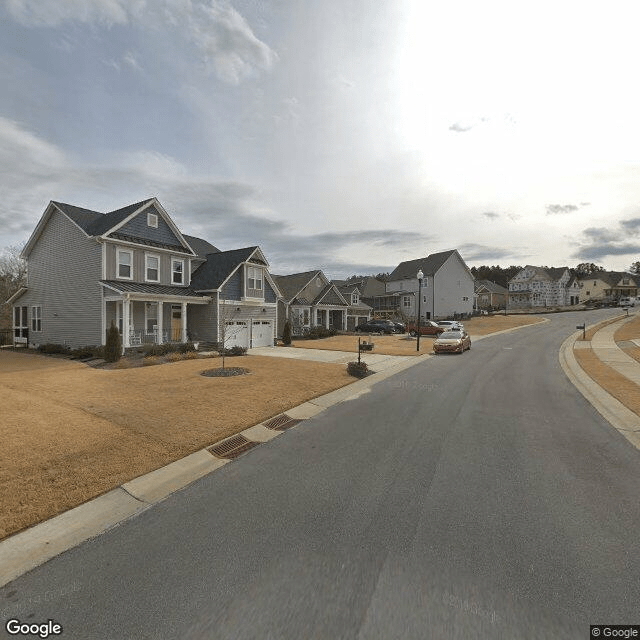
471, 496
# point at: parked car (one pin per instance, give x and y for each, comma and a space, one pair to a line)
627, 302
373, 326
451, 325
452, 342
427, 328
401, 327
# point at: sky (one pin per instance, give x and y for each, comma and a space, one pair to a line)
343, 135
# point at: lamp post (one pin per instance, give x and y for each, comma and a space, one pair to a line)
419, 275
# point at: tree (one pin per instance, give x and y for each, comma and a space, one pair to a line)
228, 328
586, 269
286, 333
635, 268
13, 275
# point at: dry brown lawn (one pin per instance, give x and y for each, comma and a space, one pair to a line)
398, 345
591, 332
628, 331
620, 387
70, 432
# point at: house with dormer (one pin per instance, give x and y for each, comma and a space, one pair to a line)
134, 268
308, 300
609, 286
358, 311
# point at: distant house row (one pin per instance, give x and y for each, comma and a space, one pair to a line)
134, 268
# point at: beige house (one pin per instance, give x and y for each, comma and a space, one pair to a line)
490, 295
609, 286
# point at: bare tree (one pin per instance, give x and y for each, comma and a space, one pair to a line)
13, 275
228, 326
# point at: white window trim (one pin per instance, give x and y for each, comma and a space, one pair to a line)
181, 261
147, 306
146, 266
152, 219
406, 302
36, 317
118, 276
248, 271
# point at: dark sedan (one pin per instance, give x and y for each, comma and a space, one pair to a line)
377, 326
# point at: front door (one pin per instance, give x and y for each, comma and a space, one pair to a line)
176, 322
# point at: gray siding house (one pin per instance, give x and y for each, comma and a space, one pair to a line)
309, 300
134, 268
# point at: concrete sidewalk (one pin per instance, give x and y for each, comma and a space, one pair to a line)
604, 346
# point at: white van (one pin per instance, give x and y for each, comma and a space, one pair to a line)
627, 302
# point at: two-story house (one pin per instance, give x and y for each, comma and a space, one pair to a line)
309, 299
609, 286
134, 268
447, 288
358, 311
540, 287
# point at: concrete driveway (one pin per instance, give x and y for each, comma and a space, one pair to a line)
376, 361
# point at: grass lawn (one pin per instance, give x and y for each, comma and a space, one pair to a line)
71, 432
399, 345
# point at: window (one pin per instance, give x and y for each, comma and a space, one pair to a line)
36, 318
153, 268
305, 317
424, 298
354, 298
151, 315
20, 322
406, 301
177, 271
254, 278
152, 220
125, 262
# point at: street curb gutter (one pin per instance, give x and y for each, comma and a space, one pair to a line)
611, 409
29, 549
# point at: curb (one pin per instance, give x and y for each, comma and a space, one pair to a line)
612, 410
31, 548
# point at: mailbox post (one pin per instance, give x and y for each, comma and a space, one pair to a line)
583, 327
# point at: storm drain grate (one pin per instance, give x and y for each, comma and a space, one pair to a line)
280, 423
232, 447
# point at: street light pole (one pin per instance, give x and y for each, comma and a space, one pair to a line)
419, 275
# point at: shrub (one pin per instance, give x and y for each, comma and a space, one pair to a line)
150, 361
191, 355
174, 357
159, 349
286, 333
83, 352
321, 332
236, 350
358, 369
113, 346
185, 347
53, 348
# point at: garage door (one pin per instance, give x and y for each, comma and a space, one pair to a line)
262, 334
236, 334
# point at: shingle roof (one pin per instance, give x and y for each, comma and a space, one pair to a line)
490, 286
200, 246
155, 289
429, 266
292, 284
218, 267
149, 243
95, 223
329, 295
611, 277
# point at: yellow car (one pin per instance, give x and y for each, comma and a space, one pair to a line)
452, 342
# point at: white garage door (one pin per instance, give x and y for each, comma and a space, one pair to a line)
262, 334
236, 334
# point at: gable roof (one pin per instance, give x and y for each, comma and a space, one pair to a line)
212, 273
612, 278
294, 283
429, 265
200, 246
331, 295
490, 286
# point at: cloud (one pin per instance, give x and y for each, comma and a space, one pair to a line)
462, 126
471, 251
229, 214
553, 209
599, 242
491, 215
223, 38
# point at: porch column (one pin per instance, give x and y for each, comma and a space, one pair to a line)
126, 315
184, 322
326, 318
160, 319
344, 320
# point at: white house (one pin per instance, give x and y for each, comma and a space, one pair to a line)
534, 287
447, 287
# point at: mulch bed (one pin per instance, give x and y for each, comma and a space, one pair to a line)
225, 373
